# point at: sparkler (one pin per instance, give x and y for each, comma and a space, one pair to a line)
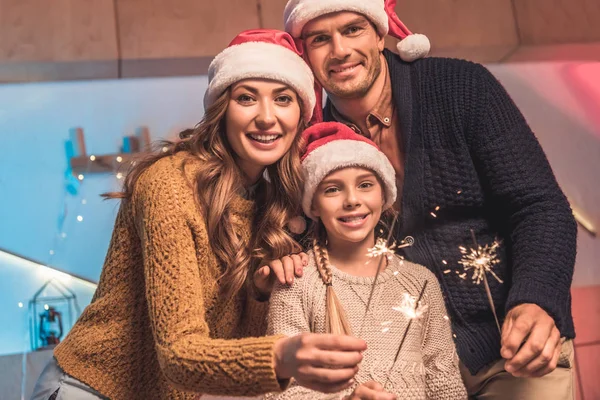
482, 260
412, 310
383, 250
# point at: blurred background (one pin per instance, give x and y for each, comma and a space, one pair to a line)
85, 84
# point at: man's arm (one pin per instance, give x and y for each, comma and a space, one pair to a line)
521, 187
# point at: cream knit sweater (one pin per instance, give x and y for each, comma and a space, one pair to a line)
427, 367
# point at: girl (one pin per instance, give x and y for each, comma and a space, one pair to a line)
177, 310
349, 184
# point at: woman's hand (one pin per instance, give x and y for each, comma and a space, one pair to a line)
283, 270
370, 391
322, 362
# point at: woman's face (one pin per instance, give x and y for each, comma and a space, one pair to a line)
349, 202
262, 121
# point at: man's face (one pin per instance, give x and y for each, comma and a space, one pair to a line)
344, 51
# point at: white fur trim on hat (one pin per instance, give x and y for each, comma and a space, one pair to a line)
413, 47
299, 12
345, 153
261, 60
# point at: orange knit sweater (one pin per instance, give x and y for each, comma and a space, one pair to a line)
157, 327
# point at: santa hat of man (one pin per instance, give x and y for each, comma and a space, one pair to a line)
382, 13
331, 146
262, 54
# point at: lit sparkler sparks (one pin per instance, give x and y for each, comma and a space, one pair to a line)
482, 260
410, 308
382, 249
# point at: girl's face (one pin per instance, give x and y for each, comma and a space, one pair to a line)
349, 202
262, 121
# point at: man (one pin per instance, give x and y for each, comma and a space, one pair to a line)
465, 160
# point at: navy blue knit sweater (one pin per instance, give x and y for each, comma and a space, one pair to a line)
470, 152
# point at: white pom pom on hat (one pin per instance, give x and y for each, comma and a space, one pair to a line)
412, 46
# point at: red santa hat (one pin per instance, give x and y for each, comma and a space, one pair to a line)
331, 146
382, 13
262, 54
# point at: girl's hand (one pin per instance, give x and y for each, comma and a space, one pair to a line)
322, 362
370, 391
283, 270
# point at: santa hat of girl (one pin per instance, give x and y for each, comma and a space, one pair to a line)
262, 54
331, 146
382, 13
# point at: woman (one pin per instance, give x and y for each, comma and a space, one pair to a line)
177, 311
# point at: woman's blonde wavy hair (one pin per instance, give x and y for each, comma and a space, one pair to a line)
216, 184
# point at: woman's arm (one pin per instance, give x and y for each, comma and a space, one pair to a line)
189, 358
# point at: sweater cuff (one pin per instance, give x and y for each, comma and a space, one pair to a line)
549, 297
279, 384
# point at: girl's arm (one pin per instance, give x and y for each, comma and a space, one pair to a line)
288, 314
443, 379
189, 358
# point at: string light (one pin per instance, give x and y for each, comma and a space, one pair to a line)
80, 177
84, 201
51, 252
119, 175
79, 218
119, 159
46, 307
92, 158
20, 305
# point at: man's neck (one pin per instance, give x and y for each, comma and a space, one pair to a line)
357, 109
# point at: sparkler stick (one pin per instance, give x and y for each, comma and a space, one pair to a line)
488, 292
414, 314
382, 251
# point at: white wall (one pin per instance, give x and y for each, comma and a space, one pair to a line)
35, 120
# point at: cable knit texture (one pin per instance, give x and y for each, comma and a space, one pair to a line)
157, 327
470, 152
427, 367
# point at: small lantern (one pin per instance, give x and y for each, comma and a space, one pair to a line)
52, 311
51, 328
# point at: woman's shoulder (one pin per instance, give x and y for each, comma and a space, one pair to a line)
167, 174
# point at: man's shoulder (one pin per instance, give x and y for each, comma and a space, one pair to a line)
434, 68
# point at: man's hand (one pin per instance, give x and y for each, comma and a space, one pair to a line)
530, 326
283, 270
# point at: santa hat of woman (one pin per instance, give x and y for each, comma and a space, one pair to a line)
381, 13
331, 146
262, 54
